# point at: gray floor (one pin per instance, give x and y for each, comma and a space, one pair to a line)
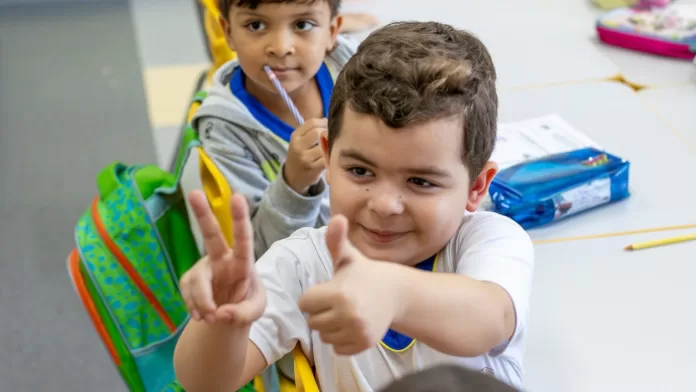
160, 44
71, 101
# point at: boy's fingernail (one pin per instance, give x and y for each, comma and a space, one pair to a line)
196, 316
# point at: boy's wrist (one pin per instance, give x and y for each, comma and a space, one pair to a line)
406, 286
401, 282
294, 183
289, 203
223, 329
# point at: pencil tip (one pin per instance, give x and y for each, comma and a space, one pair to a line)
629, 247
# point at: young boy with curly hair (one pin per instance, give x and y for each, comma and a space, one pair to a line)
407, 275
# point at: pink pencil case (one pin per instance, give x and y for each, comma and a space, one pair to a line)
668, 31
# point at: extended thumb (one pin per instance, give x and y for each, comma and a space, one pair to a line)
340, 248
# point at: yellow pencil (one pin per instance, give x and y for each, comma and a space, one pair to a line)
666, 241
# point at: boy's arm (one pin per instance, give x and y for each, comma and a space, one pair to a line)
480, 307
225, 358
202, 365
282, 211
277, 211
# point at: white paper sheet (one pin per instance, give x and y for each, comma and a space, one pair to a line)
535, 138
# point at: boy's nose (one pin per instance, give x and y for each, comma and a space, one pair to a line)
282, 44
386, 203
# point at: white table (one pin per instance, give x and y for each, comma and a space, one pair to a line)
533, 43
677, 107
606, 320
648, 70
613, 115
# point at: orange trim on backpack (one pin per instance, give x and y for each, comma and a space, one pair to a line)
126, 265
78, 280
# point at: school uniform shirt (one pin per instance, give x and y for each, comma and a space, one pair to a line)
486, 247
249, 145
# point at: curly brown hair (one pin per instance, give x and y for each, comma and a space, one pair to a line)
412, 72
448, 378
226, 5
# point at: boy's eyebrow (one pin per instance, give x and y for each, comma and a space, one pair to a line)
303, 14
429, 171
423, 171
251, 13
306, 14
355, 154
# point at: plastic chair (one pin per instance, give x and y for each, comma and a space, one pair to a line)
218, 50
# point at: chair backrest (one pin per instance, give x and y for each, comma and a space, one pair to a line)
218, 49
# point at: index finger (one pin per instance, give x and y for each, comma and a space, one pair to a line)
213, 239
243, 234
311, 139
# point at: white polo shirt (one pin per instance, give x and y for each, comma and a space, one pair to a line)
487, 247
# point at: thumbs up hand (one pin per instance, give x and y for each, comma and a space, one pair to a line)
355, 309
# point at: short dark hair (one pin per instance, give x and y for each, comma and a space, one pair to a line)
448, 378
226, 5
412, 72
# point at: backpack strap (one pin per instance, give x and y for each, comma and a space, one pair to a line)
189, 140
189, 135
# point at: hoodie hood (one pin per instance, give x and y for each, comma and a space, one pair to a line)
221, 103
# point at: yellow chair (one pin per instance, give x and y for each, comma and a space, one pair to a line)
218, 193
218, 50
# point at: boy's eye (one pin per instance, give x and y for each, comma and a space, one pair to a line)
421, 182
256, 25
304, 25
360, 172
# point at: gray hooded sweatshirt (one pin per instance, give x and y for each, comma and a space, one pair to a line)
248, 145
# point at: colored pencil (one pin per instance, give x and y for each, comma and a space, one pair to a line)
283, 94
665, 241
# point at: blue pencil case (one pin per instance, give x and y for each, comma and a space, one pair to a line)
537, 192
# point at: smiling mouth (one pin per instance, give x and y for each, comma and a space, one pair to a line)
381, 236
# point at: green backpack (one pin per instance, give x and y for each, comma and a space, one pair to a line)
132, 246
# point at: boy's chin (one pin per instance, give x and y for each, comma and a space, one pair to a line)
389, 254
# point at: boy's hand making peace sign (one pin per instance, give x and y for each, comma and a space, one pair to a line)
224, 287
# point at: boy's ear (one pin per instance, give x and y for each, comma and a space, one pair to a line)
325, 149
334, 30
480, 184
227, 32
